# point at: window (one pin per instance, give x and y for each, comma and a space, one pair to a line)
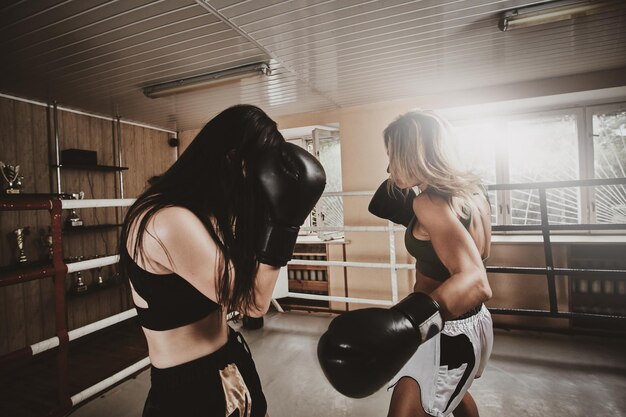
331, 208
323, 141
543, 148
609, 161
475, 145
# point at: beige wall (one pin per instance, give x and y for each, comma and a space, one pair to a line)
364, 162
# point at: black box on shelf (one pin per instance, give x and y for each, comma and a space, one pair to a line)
79, 157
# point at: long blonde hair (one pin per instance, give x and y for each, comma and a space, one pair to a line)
417, 144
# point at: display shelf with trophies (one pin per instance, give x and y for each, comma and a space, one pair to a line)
308, 279
12, 177
90, 228
74, 223
80, 287
598, 293
24, 268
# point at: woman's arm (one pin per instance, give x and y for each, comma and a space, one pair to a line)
266, 278
468, 285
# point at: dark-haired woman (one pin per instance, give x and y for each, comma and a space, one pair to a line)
206, 238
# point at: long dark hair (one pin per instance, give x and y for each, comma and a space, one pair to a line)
210, 180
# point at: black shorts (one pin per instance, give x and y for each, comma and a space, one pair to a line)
224, 383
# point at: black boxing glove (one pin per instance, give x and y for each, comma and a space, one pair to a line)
292, 180
392, 204
363, 349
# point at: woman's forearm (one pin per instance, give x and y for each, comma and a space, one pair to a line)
266, 278
462, 292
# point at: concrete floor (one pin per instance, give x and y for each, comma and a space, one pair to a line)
530, 374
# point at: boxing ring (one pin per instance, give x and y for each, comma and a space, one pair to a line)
58, 270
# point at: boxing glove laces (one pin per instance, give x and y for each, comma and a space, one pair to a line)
363, 349
292, 180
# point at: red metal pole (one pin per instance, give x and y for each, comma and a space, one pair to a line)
27, 275
13, 204
60, 307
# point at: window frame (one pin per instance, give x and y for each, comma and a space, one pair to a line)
584, 135
590, 111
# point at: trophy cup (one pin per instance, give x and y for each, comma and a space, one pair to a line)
47, 243
11, 175
19, 238
74, 220
79, 284
99, 280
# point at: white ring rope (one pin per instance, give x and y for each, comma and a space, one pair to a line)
93, 203
125, 202
106, 383
92, 263
101, 324
110, 260
44, 345
352, 228
53, 342
348, 193
392, 266
339, 299
374, 265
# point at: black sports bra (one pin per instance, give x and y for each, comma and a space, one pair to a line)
172, 301
427, 262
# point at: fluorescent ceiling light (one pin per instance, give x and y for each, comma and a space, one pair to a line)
549, 12
200, 82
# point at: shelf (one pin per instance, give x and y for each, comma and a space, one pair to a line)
303, 304
307, 267
93, 288
12, 274
91, 167
90, 228
310, 248
46, 196
306, 285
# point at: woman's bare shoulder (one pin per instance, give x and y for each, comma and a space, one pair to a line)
426, 202
173, 221
176, 228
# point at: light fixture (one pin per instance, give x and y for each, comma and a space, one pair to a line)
548, 12
203, 81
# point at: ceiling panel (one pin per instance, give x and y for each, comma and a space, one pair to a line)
97, 55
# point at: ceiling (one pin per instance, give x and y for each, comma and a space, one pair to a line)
96, 55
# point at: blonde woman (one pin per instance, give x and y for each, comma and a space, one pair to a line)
435, 342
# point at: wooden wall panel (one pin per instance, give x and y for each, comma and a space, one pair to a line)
151, 153
26, 138
23, 140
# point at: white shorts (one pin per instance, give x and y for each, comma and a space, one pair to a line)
446, 365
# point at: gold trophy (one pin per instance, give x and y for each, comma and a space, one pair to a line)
19, 238
11, 175
99, 280
74, 220
79, 284
47, 244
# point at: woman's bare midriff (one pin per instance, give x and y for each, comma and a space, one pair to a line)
173, 347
